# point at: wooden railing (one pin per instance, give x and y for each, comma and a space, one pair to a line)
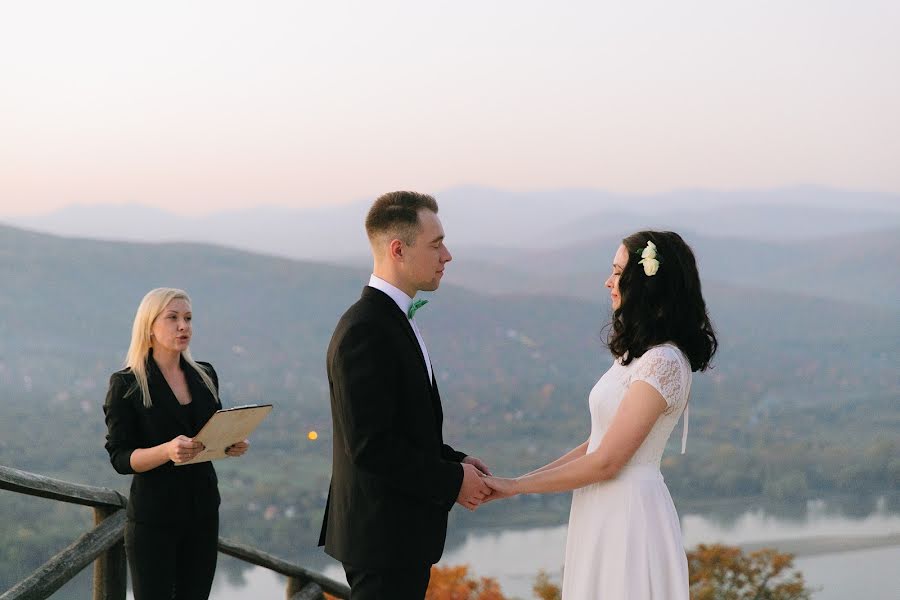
104, 546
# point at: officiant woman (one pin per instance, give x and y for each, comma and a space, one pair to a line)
153, 408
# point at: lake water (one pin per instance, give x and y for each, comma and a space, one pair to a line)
514, 557
871, 574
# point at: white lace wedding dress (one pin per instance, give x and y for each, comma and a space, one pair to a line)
624, 538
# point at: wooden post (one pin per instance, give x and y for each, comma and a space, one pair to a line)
311, 591
67, 563
110, 568
294, 585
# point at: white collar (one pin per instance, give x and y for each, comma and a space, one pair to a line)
397, 295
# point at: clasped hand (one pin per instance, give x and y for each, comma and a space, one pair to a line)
473, 492
501, 487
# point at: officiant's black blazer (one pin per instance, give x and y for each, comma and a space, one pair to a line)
159, 495
393, 479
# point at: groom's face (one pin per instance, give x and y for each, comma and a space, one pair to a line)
425, 259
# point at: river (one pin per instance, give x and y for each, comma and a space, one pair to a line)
842, 555
816, 535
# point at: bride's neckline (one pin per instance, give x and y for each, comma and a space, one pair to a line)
670, 344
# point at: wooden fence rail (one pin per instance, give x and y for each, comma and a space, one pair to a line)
299, 575
53, 574
104, 547
31, 484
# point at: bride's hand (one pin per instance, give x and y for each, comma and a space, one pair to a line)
502, 487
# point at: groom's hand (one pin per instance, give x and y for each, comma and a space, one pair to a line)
473, 490
478, 464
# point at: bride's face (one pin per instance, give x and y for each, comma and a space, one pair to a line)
619, 262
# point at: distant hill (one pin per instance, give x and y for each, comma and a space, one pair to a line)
851, 267
265, 322
787, 223
478, 216
802, 397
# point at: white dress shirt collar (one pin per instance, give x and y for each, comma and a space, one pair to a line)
397, 295
403, 303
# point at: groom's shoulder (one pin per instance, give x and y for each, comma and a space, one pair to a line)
368, 305
369, 308
362, 323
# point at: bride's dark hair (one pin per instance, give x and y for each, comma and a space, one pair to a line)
665, 307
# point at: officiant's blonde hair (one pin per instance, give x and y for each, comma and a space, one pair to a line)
149, 309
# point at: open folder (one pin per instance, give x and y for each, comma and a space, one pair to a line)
226, 427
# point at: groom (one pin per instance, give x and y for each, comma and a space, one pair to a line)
393, 479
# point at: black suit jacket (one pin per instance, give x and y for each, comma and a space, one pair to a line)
393, 479
166, 494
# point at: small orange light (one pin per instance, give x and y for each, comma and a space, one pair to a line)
312, 435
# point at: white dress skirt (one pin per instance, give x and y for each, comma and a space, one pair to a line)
624, 538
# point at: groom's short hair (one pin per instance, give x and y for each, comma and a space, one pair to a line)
396, 214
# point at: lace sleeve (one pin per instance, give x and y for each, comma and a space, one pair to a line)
662, 368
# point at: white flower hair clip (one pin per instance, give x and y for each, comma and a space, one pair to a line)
649, 259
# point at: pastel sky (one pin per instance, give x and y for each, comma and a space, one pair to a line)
198, 106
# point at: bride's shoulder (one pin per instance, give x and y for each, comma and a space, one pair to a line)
665, 352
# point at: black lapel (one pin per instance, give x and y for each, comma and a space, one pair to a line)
436, 407
205, 403
390, 308
163, 396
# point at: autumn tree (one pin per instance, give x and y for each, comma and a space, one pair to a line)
454, 583
719, 572
546, 589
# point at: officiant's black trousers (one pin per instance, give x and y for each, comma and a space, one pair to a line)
173, 561
388, 584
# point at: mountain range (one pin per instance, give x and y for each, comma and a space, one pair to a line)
802, 398
67, 306
856, 268
485, 217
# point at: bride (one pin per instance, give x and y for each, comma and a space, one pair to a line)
624, 539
